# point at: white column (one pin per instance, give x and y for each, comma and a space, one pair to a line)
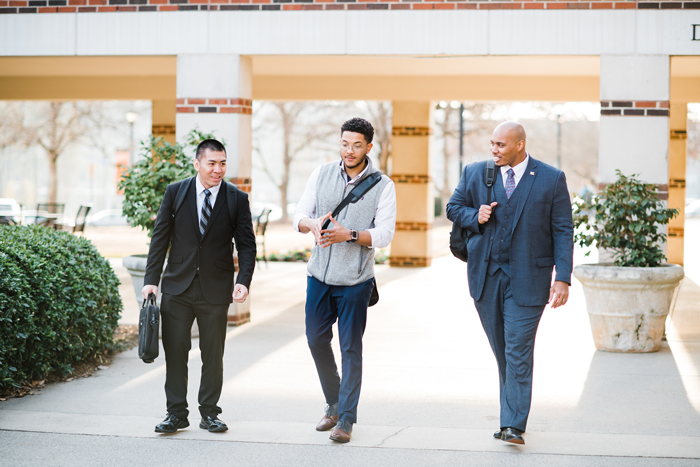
634, 121
214, 94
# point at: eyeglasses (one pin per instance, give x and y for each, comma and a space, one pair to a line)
356, 147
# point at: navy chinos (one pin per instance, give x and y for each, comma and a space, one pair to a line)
348, 305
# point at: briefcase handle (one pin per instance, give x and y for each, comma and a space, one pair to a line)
151, 300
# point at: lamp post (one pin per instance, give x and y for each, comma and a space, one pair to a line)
559, 141
461, 138
131, 117
558, 111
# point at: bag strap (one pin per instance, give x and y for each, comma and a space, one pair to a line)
180, 196
232, 202
489, 179
355, 194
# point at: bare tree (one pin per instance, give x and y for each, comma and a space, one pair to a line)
380, 116
299, 133
54, 126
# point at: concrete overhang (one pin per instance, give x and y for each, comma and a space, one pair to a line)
334, 77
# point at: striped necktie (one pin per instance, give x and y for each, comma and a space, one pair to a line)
510, 183
206, 212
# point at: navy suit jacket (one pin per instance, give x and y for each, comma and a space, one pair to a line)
543, 233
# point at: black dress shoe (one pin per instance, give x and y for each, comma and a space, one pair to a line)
512, 435
172, 423
497, 434
212, 424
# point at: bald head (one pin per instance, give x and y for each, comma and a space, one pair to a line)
513, 131
508, 144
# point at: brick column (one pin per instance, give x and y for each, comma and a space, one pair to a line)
634, 121
411, 148
163, 119
676, 181
214, 94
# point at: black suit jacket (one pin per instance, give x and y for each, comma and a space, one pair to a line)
212, 252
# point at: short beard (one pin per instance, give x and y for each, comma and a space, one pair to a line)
364, 159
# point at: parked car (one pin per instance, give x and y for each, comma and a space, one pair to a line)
107, 218
10, 211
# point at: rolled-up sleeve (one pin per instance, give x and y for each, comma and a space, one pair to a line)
306, 207
385, 217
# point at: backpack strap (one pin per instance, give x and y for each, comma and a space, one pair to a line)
489, 179
180, 196
232, 201
355, 194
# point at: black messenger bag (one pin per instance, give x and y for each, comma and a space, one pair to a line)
459, 235
149, 321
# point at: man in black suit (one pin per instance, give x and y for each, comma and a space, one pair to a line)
197, 220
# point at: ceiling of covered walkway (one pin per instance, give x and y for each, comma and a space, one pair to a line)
334, 77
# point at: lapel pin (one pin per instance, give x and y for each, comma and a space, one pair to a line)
532, 173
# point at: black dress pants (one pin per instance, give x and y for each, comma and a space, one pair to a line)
178, 312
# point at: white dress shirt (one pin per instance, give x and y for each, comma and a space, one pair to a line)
384, 219
518, 169
200, 196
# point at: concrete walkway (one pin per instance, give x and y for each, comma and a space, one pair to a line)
429, 395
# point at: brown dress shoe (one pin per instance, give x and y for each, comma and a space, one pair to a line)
327, 422
341, 432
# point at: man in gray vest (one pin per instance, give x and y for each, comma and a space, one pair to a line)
515, 242
341, 269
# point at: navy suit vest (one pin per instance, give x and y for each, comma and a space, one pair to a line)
502, 216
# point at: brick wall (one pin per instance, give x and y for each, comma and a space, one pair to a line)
90, 6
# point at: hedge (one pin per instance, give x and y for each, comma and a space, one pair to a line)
59, 303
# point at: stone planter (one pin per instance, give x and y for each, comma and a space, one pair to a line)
627, 306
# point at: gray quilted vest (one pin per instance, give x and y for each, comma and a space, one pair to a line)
345, 263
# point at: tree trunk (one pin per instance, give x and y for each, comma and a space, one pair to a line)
445, 190
53, 178
384, 158
287, 127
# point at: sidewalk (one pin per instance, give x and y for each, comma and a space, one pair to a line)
429, 395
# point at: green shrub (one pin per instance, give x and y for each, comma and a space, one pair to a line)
59, 302
145, 182
624, 218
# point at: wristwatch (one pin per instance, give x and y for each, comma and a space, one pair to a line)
354, 236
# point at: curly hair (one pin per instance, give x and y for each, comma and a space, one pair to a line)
359, 125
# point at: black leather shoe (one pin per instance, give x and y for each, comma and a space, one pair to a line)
512, 435
213, 424
172, 423
497, 434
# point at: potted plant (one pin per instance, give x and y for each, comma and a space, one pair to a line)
627, 300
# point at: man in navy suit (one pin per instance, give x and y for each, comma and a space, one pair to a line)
514, 243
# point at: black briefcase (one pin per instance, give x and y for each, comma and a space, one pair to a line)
149, 321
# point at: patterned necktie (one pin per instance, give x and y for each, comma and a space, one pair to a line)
510, 182
206, 212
